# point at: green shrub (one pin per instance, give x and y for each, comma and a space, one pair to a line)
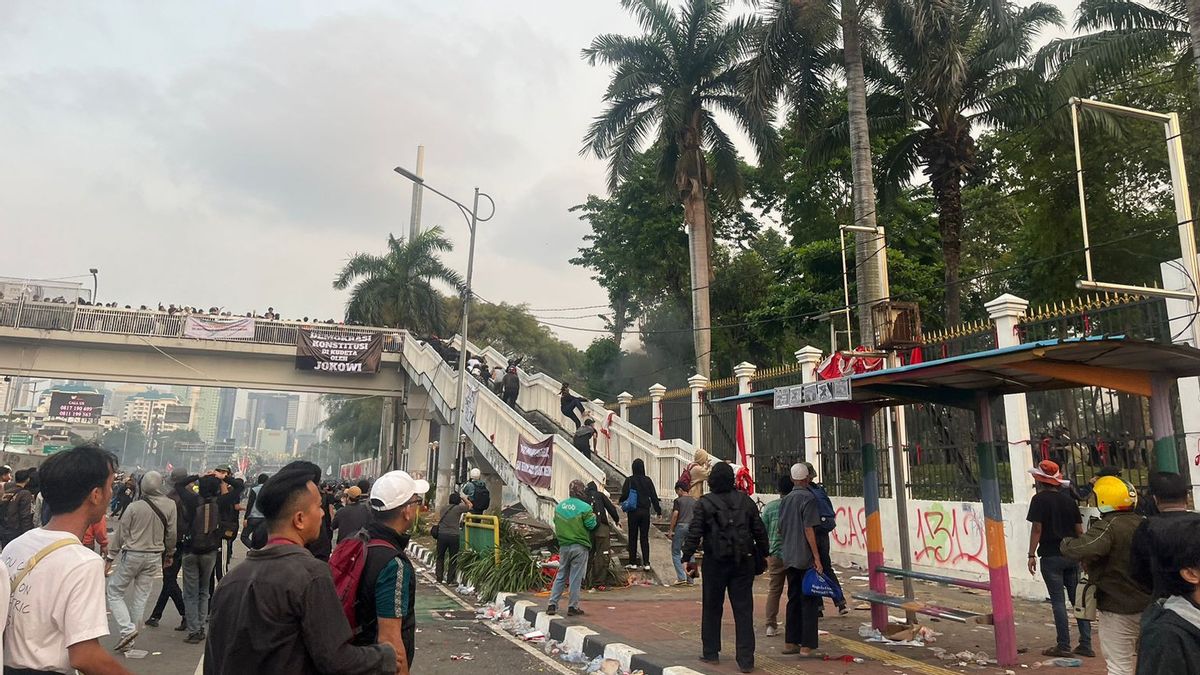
518, 570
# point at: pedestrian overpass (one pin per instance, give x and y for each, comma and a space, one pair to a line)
56, 340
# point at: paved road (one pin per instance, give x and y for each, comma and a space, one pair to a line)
444, 628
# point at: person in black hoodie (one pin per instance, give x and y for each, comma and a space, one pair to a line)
735, 545
601, 556
639, 517
1170, 493
1170, 628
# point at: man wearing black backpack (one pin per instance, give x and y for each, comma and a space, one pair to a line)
735, 546
201, 546
799, 515
16, 508
475, 493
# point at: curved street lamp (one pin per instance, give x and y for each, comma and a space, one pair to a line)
473, 218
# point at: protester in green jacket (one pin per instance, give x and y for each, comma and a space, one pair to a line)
776, 570
573, 522
1104, 549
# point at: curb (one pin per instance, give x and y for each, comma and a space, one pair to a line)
577, 637
573, 636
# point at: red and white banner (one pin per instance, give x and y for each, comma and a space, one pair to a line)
534, 462
218, 328
363, 468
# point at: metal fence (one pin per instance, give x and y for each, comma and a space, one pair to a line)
641, 413
1088, 428
718, 421
677, 414
841, 470
943, 462
23, 313
1108, 314
778, 434
968, 338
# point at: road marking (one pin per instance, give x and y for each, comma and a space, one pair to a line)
887, 657
539, 655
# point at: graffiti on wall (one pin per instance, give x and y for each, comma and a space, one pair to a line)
950, 536
851, 530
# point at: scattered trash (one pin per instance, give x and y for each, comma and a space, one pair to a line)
574, 657
533, 636
593, 666
136, 654
860, 578
551, 648
155, 653
845, 658
610, 667
461, 657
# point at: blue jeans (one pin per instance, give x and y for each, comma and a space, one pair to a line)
677, 540
1062, 577
197, 569
572, 561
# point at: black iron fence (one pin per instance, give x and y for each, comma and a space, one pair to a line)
640, 414
943, 461
1109, 314
677, 415
968, 338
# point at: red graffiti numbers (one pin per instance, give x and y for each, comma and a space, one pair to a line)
950, 536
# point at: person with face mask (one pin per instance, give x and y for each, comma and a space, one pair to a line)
278, 611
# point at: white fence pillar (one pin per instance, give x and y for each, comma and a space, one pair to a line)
808, 357
697, 383
656, 397
1006, 312
744, 372
623, 400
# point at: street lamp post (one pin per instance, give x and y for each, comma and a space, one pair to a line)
95, 282
472, 215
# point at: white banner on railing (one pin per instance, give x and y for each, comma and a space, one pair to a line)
215, 328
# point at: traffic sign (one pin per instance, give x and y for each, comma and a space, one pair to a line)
51, 449
20, 439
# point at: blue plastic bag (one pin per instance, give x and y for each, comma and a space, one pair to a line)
818, 584
631, 502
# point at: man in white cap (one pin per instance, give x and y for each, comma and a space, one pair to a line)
475, 493
387, 592
799, 514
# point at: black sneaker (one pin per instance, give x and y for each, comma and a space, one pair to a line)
552, 610
1085, 650
575, 611
194, 638
1057, 651
745, 669
152, 622
710, 659
182, 626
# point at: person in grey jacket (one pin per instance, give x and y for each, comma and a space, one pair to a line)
142, 544
278, 611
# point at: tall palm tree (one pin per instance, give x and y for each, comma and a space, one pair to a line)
1118, 39
797, 59
672, 79
397, 289
954, 63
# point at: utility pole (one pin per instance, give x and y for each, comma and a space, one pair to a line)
414, 223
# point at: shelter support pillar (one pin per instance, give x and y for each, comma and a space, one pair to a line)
808, 357
1006, 313
656, 396
997, 553
1183, 325
1161, 419
623, 400
870, 458
744, 372
697, 383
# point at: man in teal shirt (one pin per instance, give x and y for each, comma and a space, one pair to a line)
573, 520
776, 570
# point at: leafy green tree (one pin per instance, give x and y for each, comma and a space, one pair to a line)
354, 422
513, 331
953, 65
128, 441
397, 289
601, 364
673, 79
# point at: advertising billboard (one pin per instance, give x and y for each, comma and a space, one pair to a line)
76, 407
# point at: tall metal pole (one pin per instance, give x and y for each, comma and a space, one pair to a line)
444, 464
993, 531
878, 580
414, 224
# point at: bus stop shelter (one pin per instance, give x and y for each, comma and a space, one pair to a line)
974, 382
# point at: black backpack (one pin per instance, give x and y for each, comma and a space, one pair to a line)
730, 537
205, 534
482, 497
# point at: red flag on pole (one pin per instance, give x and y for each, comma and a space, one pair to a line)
743, 480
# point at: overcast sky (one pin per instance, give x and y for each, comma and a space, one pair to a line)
235, 154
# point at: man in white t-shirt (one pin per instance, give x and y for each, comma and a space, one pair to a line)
56, 613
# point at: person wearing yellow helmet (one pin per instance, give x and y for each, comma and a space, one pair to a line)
1105, 551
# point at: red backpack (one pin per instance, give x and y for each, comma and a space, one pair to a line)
347, 563
686, 476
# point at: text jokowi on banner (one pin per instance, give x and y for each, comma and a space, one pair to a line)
534, 461
334, 351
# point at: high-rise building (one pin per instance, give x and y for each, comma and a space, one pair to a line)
241, 432
182, 392
149, 409
311, 413
205, 403
272, 441
227, 400
269, 410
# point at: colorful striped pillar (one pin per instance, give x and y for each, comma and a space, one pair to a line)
1162, 422
997, 553
870, 459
